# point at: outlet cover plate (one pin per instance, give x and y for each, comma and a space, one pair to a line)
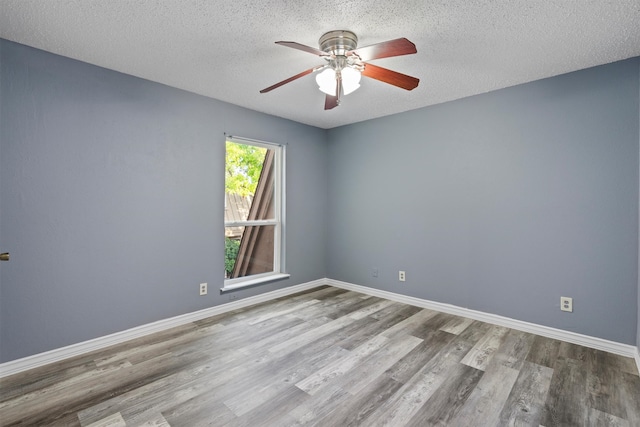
566, 304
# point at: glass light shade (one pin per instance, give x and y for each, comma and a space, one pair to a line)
327, 81
350, 80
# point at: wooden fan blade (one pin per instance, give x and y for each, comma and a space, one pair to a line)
386, 49
333, 101
290, 79
303, 47
392, 77
330, 102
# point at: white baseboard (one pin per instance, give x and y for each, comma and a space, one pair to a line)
56, 355
559, 334
638, 357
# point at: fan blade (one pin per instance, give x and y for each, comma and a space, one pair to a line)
391, 77
386, 49
290, 79
330, 102
304, 48
333, 101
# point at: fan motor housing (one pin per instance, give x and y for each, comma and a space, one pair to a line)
338, 42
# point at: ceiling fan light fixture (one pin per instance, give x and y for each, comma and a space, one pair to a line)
346, 64
350, 80
326, 80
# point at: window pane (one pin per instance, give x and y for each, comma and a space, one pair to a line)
249, 183
249, 250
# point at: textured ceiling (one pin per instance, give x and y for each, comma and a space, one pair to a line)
225, 49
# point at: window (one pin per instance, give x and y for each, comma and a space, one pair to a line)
254, 212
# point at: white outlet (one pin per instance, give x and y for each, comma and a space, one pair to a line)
374, 272
566, 304
203, 288
401, 276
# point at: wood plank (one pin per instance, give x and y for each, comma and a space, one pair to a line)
485, 403
156, 420
567, 401
444, 405
370, 309
573, 351
358, 331
273, 373
355, 410
474, 332
141, 353
345, 306
621, 363
597, 418
377, 363
411, 324
630, 395
114, 420
203, 409
514, 349
316, 407
457, 325
525, 403
603, 380
150, 397
270, 340
415, 360
327, 292
397, 311
314, 382
435, 323
271, 412
73, 394
482, 353
281, 312
39, 378
384, 322
296, 342
283, 374
402, 405
544, 351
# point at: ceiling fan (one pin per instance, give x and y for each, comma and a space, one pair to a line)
345, 64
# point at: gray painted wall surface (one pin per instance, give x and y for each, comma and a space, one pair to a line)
112, 196
501, 202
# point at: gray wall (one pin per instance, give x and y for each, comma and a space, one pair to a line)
112, 197
501, 202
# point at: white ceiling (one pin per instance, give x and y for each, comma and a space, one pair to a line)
225, 49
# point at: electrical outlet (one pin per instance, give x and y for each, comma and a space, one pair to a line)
566, 304
374, 272
203, 288
401, 276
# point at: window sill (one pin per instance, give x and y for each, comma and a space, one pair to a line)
240, 283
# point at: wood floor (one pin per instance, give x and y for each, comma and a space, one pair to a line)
330, 357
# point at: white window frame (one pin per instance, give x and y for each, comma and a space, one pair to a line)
278, 222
